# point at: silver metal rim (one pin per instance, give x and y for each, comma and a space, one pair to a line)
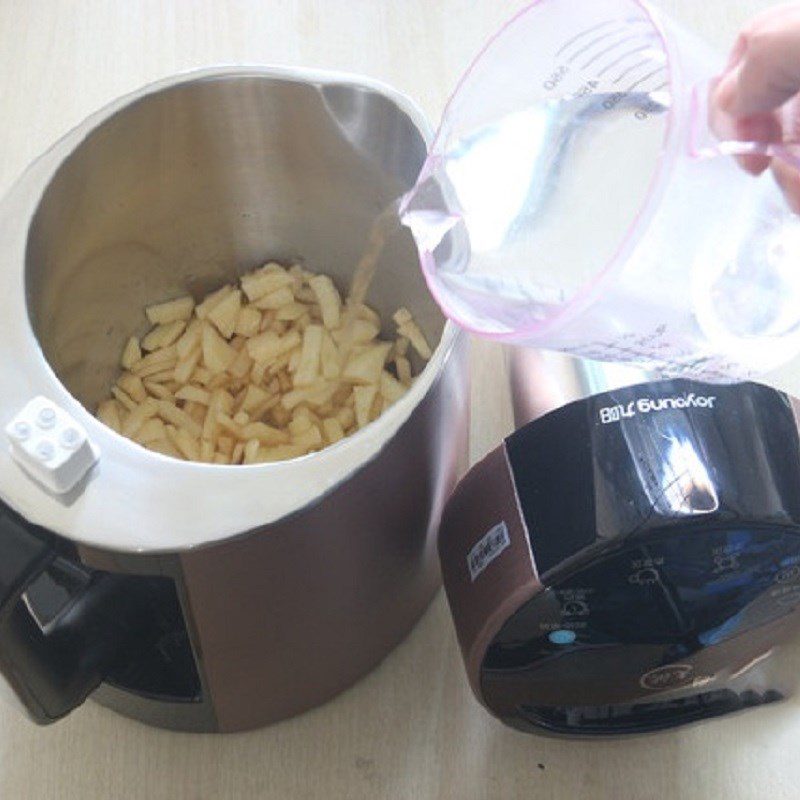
135, 500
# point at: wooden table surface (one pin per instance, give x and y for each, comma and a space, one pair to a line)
410, 729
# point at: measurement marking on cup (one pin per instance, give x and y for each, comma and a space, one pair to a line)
619, 60
632, 69
591, 44
608, 50
645, 78
584, 33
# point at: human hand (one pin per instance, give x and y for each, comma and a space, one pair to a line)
759, 91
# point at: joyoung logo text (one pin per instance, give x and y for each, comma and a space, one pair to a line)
649, 405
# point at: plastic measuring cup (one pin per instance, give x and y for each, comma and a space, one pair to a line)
576, 199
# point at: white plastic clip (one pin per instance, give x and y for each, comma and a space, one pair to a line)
50, 445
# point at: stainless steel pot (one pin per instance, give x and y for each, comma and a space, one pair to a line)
291, 579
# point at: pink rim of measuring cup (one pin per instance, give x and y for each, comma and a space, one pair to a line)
592, 288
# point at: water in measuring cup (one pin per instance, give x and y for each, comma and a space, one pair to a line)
746, 281
543, 163
542, 199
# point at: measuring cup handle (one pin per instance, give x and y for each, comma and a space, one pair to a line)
713, 133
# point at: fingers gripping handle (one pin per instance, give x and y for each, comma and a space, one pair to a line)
714, 133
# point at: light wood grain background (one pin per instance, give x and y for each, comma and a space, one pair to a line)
411, 729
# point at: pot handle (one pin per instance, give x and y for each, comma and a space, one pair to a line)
55, 651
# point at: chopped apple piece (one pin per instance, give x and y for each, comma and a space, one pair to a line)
185, 368
108, 413
333, 430
251, 451
241, 365
408, 328
265, 281
131, 353
151, 431
190, 340
364, 397
169, 412
158, 390
194, 394
307, 371
360, 331
265, 434
248, 322
391, 389
176, 310
281, 452
269, 346
225, 313
211, 300
365, 367
253, 397
275, 300
330, 302
217, 353
206, 451
403, 366
139, 415
291, 312
155, 362
124, 398
165, 447
132, 385
163, 335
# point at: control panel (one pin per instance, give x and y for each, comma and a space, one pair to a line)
680, 612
